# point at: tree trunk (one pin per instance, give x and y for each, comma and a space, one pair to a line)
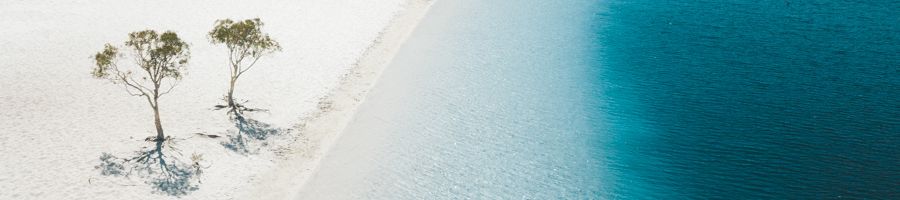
230, 97
159, 130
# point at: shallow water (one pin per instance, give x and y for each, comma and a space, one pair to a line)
487, 100
634, 100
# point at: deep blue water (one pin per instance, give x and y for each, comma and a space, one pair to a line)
771, 99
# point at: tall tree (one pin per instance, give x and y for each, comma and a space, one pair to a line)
246, 43
159, 61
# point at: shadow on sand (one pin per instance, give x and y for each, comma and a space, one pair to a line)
248, 128
159, 164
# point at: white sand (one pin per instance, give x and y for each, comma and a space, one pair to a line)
325, 128
56, 119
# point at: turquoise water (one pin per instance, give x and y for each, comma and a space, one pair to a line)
774, 99
631, 100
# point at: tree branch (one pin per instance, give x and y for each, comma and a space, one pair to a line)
172, 86
250, 66
124, 77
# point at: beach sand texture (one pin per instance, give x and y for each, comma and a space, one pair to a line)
57, 119
324, 128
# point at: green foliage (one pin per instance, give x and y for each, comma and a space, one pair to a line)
243, 37
156, 58
164, 53
104, 60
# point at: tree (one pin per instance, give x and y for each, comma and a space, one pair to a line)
246, 43
159, 61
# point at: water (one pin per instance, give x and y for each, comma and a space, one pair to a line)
486, 100
635, 99
755, 99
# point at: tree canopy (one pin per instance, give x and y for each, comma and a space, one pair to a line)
243, 38
159, 56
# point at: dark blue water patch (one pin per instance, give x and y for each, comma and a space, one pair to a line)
753, 99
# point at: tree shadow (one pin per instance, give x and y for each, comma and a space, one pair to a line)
238, 108
159, 164
248, 128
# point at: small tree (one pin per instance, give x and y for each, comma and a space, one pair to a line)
159, 61
246, 43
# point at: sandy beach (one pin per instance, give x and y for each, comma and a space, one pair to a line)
338, 109
58, 120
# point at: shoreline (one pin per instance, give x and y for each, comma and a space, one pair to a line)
322, 129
